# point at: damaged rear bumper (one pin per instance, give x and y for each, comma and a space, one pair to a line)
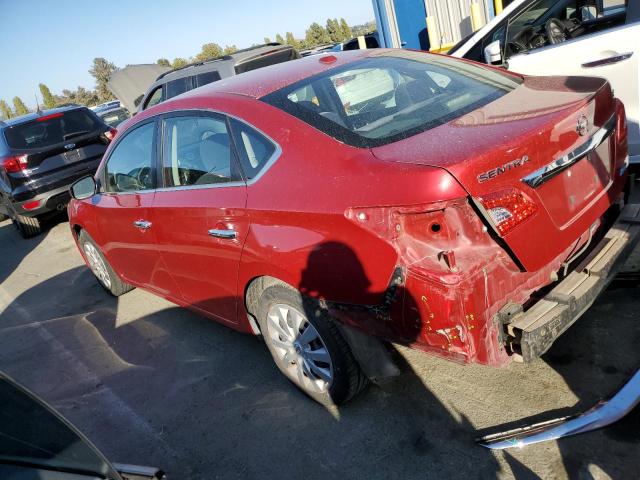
601, 415
531, 333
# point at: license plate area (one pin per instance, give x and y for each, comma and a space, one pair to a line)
568, 193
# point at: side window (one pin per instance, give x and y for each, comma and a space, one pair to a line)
206, 77
197, 151
254, 149
130, 165
176, 87
154, 98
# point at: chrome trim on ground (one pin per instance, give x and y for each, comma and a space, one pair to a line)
604, 413
549, 171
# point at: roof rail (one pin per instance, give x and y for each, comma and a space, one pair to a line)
217, 59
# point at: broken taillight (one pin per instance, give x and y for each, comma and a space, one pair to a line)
508, 209
110, 134
14, 164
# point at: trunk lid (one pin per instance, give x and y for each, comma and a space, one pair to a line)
509, 147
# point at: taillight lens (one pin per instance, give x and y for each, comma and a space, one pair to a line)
110, 134
31, 205
14, 164
508, 209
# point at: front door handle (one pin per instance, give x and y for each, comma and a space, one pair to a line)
609, 60
143, 224
227, 234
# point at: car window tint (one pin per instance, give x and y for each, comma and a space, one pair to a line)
176, 87
207, 77
130, 165
155, 98
197, 151
254, 149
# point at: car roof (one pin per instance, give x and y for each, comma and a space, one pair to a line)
215, 63
32, 116
263, 81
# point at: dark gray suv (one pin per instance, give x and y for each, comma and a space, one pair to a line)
195, 75
41, 155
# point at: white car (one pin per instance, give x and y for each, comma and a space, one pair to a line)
599, 38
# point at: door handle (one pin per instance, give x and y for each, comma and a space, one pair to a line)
609, 60
143, 224
226, 234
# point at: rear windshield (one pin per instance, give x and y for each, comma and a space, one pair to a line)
52, 129
386, 98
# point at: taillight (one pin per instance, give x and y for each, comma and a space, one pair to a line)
31, 205
110, 134
14, 164
508, 209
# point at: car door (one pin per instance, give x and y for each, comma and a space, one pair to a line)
127, 189
611, 53
199, 216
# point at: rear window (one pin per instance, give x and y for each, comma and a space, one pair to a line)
52, 129
387, 98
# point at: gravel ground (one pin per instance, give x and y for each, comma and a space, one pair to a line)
151, 383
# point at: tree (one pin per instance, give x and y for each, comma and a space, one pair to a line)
291, 40
346, 31
334, 31
19, 106
279, 39
179, 62
101, 71
267, 40
229, 49
164, 62
316, 35
209, 51
47, 98
5, 109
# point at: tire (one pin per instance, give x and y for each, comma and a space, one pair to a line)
27, 226
317, 360
106, 276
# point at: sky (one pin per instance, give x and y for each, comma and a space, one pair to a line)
55, 42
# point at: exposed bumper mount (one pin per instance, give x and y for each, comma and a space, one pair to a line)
531, 333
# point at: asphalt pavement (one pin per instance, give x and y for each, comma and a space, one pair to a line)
151, 383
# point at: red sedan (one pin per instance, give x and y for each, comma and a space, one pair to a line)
336, 203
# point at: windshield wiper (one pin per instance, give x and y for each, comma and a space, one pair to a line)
75, 134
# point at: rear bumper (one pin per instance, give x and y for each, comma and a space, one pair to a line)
603, 414
531, 333
53, 200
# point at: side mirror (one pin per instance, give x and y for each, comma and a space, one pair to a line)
493, 53
84, 188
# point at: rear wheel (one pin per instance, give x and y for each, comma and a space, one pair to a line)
106, 276
307, 347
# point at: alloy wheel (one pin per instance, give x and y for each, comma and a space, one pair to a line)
299, 348
97, 265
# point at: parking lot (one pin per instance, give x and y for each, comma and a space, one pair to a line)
154, 384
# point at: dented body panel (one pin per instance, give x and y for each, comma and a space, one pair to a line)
397, 241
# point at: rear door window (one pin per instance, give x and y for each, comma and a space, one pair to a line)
176, 87
130, 167
197, 151
52, 129
206, 77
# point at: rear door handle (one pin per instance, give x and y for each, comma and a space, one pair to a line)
227, 234
608, 61
143, 224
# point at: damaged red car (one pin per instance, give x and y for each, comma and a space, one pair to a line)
340, 202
